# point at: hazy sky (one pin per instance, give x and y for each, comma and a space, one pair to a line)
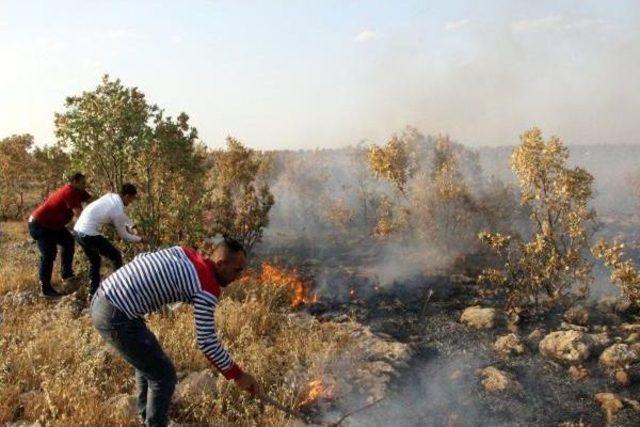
306, 74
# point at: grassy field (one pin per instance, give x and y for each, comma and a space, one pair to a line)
55, 368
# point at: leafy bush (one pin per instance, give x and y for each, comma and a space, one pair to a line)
239, 200
114, 135
548, 264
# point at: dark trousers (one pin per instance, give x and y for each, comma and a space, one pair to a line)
48, 241
155, 374
96, 247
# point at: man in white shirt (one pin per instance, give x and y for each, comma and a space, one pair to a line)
107, 209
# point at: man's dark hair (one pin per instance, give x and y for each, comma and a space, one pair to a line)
231, 244
128, 189
76, 177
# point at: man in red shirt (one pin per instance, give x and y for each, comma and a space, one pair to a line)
47, 226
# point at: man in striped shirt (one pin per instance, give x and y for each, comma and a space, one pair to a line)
149, 282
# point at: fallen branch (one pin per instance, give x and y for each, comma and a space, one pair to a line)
295, 414
350, 413
425, 303
312, 420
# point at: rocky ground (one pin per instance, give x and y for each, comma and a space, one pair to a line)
438, 355
575, 367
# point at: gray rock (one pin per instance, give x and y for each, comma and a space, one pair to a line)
478, 317
566, 346
619, 356
577, 315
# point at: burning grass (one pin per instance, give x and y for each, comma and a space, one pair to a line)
55, 367
300, 290
318, 389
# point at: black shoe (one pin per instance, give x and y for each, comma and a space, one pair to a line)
50, 293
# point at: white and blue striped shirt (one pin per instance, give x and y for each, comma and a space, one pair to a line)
154, 279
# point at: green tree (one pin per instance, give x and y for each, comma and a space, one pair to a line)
52, 164
170, 171
239, 199
105, 130
114, 135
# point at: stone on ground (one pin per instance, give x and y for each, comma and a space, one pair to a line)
577, 315
578, 373
610, 404
622, 378
496, 381
478, 317
566, 346
509, 344
618, 356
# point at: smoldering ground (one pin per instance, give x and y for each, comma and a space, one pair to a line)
384, 284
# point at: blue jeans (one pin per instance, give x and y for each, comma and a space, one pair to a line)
155, 374
48, 241
96, 247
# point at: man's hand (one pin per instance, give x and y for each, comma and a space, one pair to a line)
247, 383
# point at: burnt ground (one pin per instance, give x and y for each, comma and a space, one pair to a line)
440, 387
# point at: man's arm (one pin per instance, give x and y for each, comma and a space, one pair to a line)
121, 221
204, 307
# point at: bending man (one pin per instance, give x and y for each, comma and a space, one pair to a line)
107, 209
149, 282
47, 226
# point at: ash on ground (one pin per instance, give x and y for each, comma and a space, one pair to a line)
575, 366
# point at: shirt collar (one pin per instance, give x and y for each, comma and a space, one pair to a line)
212, 269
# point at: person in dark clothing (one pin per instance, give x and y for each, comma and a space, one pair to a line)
108, 209
47, 226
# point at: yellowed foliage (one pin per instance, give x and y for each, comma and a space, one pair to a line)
623, 272
393, 161
553, 260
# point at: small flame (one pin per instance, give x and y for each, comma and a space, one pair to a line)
318, 389
302, 293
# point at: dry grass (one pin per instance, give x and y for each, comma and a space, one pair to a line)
16, 253
55, 368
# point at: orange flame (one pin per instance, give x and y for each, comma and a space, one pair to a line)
302, 293
318, 390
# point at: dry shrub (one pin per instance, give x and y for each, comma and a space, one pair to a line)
61, 360
624, 273
539, 270
58, 366
18, 258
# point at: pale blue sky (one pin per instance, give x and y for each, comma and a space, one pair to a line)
306, 74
